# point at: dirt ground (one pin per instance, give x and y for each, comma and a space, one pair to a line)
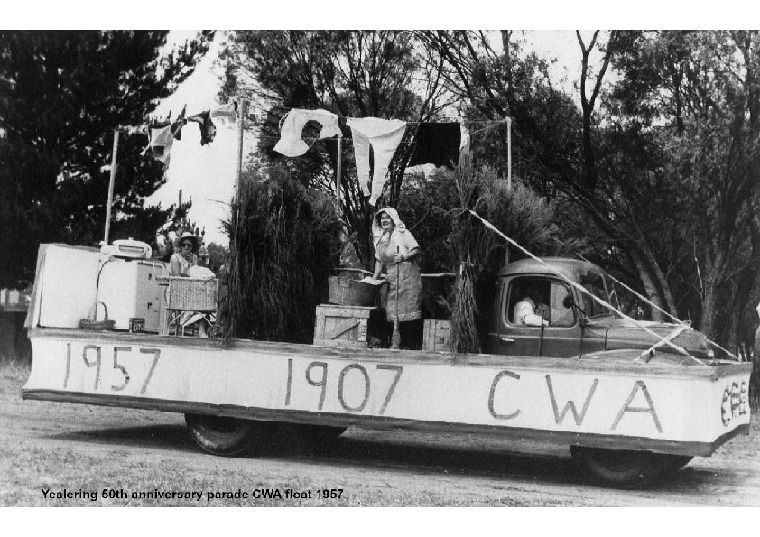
74, 452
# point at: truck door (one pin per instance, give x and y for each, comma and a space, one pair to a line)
561, 338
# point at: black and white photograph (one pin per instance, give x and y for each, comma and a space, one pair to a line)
379, 268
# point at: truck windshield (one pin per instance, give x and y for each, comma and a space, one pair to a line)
594, 283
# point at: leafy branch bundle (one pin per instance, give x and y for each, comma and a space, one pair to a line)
284, 239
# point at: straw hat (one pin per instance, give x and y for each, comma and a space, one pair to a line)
193, 238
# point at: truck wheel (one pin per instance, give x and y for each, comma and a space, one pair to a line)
227, 437
620, 468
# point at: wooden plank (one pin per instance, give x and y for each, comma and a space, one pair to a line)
341, 328
344, 311
586, 364
692, 448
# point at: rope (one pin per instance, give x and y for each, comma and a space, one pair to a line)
655, 306
443, 119
583, 290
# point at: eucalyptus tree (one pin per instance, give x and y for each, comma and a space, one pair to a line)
696, 96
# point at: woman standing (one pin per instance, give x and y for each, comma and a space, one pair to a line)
398, 253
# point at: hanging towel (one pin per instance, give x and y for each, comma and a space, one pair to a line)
437, 143
207, 127
161, 140
290, 143
384, 135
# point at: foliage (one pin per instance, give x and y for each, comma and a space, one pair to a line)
543, 227
662, 165
474, 252
62, 94
704, 86
284, 240
471, 243
426, 207
351, 73
217, 256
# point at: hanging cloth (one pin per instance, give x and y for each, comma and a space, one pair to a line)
384, 135
207, 127
290, 143
437, 143
161, 140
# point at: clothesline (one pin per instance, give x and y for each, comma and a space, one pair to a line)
443, 119
434, 142
310, 140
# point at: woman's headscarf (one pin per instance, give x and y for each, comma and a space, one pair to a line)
377, 231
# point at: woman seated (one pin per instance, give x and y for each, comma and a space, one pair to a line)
182, 264
187, 257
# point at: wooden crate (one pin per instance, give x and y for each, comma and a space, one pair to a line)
341, 326
436, 335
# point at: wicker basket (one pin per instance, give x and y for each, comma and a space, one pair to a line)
193, 294
349, 292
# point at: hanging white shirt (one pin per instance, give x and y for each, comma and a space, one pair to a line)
384, 135
291, 144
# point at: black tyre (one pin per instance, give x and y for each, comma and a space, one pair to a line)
227, 437
620, 468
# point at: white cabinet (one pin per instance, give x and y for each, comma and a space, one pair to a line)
129, 289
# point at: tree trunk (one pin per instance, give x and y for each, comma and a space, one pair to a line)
650, 287
666, 293
709, 306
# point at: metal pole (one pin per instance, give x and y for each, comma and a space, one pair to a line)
509, 182
338, 177
111, 183
241, 126
509, 153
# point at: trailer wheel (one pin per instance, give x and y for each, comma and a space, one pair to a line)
227, 437
620, 468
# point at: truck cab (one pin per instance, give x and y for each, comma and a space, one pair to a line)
577, 324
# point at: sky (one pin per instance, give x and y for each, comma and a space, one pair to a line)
206, 174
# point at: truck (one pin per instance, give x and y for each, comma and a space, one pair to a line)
631, 407
577, 323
